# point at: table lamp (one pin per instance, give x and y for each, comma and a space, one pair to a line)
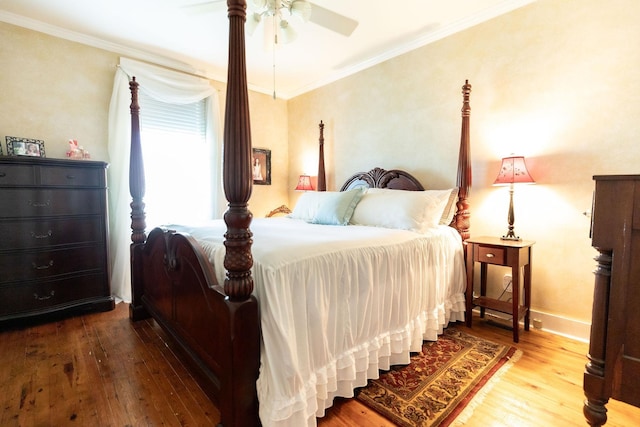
304, 183
513, 171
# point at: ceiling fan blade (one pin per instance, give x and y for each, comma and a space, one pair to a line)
333, 21
204, 7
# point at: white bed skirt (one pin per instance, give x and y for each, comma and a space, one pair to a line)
337, 304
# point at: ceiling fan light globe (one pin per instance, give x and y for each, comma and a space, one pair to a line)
301, 8
252, 23
259, 4
287, 32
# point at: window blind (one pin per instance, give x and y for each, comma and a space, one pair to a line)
179, 118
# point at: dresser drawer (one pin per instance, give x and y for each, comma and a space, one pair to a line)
28, 234
40, 297
491, 255
23, 172
17, 175
71, 176
27, 202
33, 265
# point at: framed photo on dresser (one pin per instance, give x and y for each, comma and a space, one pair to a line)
25, 147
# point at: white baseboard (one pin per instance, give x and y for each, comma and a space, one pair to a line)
552, 323
569, 328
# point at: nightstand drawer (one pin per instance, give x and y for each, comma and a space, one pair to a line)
491, 255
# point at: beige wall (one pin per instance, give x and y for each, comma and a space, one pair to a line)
269, 130
54, 89
555, 81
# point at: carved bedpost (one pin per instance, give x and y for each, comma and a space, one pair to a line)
461, 220
322, 178
138, 220
238, 182
136, 171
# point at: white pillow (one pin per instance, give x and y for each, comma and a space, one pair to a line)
406, 210
307, 206
327, 207
450, 208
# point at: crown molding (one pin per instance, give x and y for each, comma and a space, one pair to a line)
87, 40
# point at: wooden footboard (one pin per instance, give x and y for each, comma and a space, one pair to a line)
220, 338
217, 329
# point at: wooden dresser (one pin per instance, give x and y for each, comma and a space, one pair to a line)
53, 237
613, 367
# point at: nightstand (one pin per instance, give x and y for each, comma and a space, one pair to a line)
508, 253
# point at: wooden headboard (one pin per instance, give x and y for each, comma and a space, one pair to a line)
380, 178
397, 179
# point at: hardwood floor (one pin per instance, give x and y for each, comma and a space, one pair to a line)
102, 370
97, 370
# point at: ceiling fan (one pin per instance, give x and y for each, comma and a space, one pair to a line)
276, 16
280, 13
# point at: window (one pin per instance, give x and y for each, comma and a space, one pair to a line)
177, 161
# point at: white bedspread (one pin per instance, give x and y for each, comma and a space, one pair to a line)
339, 303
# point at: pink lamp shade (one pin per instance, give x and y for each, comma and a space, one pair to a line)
304, 183
513, 171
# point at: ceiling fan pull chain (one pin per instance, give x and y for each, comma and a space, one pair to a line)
275, 44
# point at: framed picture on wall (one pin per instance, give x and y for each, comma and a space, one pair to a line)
261, 166
25, 147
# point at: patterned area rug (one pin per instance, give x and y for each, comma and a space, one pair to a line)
434, 389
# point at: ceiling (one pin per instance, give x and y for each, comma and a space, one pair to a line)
169, 33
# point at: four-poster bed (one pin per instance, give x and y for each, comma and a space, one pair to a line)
224, 324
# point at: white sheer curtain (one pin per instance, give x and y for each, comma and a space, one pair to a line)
166, 86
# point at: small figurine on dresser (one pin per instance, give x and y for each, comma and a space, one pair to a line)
76, 151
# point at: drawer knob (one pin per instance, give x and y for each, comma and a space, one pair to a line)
44, 297
490, 255
42, 267
71, 176
41, 236
2, 174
